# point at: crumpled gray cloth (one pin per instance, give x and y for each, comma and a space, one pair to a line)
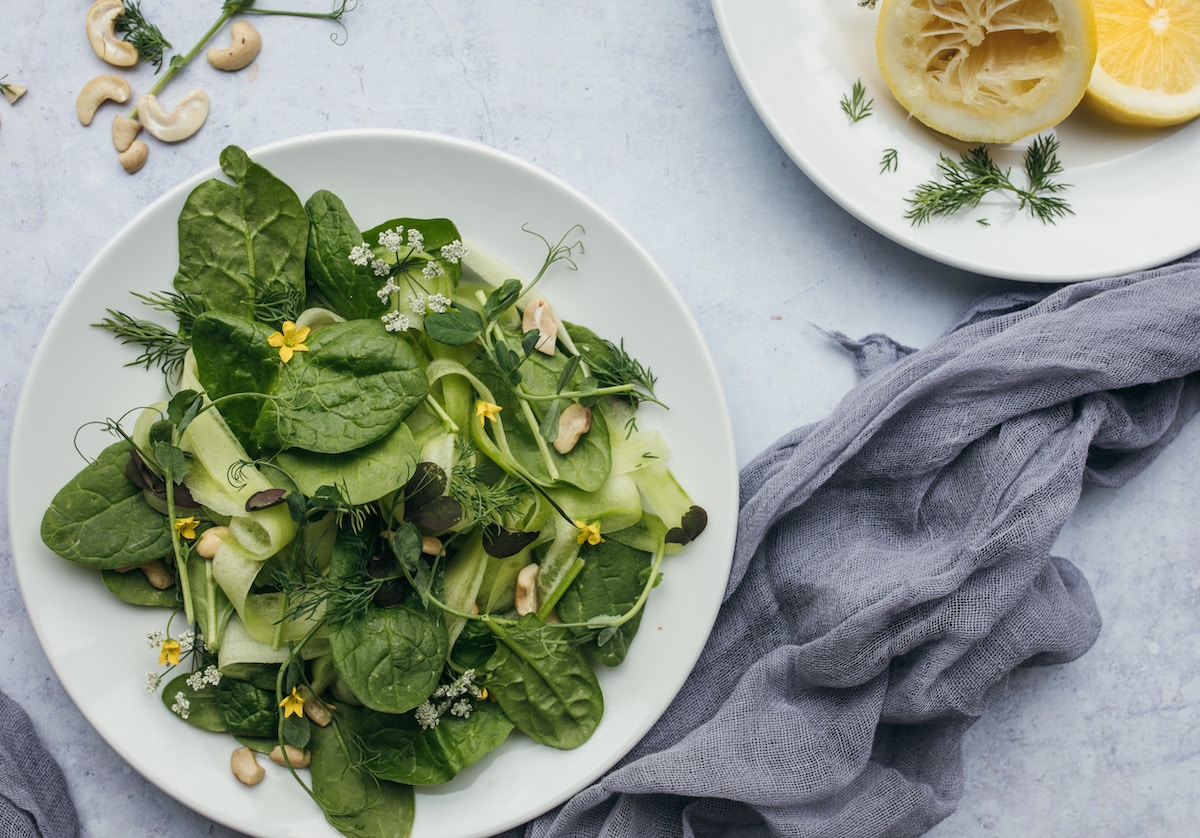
893, 567
34, 801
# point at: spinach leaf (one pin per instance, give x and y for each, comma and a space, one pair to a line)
200, 706
353, 387
545, 685
101, 520
133, 588
240, 243
246, 709
350, 289
363, 475
398, 749
612, 578
355, 802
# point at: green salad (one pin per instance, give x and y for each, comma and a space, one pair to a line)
394, 509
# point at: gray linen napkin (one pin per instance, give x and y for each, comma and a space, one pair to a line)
34, 802
893, 567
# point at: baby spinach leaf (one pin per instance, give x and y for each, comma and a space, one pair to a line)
356, 803
544, 685
350, 289
133, 588
436, 232
363, 475
612, 578
246, 709
101, 520
391, 658
400, 750
233, 356
239, 241
201, 706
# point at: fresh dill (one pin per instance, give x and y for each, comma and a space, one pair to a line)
161, 347
965, 182
855, 104
615, 367
145, 37
890, 161
482, 496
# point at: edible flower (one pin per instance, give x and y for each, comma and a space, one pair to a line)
293, 705
486, 410
589, 532
170, 652
289, 340
186, 527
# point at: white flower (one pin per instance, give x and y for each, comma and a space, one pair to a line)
390, 287
182, 706
432, 270
454, 252
153, 681
438, 303
195, 681
212, 675
187, 642
415, 239
395, 321
391, 239
154, 639
417, 303
427, 716
461, 708
361, 254
381, 268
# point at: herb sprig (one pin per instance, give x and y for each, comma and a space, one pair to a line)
855, 104
145, 37
965, 182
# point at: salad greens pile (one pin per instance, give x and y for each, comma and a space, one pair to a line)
396, 521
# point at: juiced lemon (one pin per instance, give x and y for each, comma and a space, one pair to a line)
989, 71
1148, 65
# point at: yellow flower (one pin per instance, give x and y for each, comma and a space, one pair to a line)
293, 705
290, 340
589, 532
170, 652
187, 526
487, 410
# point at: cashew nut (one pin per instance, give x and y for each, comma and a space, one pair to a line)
96, 92
210, 540
243, 48
525, 598
245, 766
431, 545
157, 573
133, 158
124, 132
539, 315
315, 710
101, 21
13, 92
295, 757
180, 123
573, 422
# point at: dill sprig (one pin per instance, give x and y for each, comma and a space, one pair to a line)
856, 105
614, 367
890, 160
161, 347
483, 497
966, 181
145, 37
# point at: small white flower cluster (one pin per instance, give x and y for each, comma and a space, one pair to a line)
153, 681
182, 707
436, 303
395, 321
188, 641
394, 240
154, 639
452, 698
454, 252
200, 679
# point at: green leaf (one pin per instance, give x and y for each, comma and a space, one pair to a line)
246, 709
611, 581
501, 298
363, 475
349, 288
456, 327
101, 520
238, 240
133, 588
203, 710
355, 802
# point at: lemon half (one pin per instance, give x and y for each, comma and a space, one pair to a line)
989, 71
1148, 65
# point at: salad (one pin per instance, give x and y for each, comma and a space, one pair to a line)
394, 509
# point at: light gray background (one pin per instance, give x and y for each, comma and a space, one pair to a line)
634, 103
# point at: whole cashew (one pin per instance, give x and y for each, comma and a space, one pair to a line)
96, 92
101, 19
245, 766
539, 315
243, 48
134, 157
180, 123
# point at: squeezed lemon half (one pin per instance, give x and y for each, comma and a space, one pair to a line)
1147, 69
988, 71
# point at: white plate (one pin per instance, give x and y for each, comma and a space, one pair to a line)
1134, 193
97, 645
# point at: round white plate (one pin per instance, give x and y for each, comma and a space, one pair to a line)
1134, 193
97, 645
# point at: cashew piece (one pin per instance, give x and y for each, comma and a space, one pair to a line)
13, 92
124, 132
101, 20
296, 757
573, 422
539, 315
315, 710
96, 92
180, 123
245, 767
525, 598
245, 42
210, 540
157, 573
133, 158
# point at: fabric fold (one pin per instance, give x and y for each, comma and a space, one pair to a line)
893, 567
34, 800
